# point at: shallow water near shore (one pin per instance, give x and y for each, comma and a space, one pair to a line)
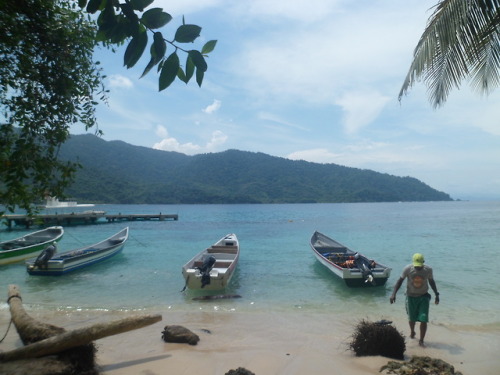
277, 271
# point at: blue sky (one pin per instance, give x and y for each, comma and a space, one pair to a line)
316, 80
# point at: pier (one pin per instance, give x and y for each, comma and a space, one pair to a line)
79, 218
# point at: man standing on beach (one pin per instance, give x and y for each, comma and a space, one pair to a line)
419, 277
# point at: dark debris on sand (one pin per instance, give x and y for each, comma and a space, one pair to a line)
239, 371
420, 366
373, 338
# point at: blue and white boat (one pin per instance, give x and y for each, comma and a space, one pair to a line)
62, 263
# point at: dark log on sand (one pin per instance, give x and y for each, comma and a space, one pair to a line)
67, 340
75, 350
29, 329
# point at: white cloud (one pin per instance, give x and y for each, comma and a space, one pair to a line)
318, 155
317, 60
267, 116
302, 11
212, 108
360, 109
119, 81
218, 139
169, 143
178, 8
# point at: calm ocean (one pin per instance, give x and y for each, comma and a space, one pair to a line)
277, 270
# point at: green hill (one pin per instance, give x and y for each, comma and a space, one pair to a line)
117, 172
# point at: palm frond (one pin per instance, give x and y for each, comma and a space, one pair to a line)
461, 40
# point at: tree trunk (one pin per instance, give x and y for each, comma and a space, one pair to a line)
75, 350
82, 336
29, 329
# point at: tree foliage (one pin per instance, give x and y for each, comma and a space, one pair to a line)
49, 80
461, 41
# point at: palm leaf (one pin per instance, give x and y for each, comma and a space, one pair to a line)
461, 40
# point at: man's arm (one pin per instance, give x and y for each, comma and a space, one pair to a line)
432, 283
396, 288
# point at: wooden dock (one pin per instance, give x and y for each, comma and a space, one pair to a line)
79, 218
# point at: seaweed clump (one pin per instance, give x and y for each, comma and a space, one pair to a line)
420, 366
377, 338
239, 371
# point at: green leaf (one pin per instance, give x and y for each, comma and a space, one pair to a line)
150, 65
199, 76
140, 5
82, 3
128, 11
189, 68
159, 45
169, 71
182, 76
107, 20
93, 6
155, 18
135, 49
187, 33
198, 60
209, 46
155, 59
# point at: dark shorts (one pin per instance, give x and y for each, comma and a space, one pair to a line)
418, 308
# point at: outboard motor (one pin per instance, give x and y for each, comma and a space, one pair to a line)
42, 260
365, 267
205, 269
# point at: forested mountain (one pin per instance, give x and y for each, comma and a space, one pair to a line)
117, 172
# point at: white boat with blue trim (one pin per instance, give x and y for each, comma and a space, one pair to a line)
62, 263
354, 268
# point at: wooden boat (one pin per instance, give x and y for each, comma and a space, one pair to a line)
29, 245
212, 268
72, 260
352, 267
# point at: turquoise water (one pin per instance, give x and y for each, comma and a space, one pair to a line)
277, 271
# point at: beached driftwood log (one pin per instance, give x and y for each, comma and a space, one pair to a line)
74, 350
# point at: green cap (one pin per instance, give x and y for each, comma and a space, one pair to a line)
418, 260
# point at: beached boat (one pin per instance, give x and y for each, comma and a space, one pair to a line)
212, 268
352, 267
29, 245
61, 263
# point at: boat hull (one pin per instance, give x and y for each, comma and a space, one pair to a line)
43, 239
323, 247
80, 258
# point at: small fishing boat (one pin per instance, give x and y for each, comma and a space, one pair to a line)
352, 267
213, 268
29, 245
61, 263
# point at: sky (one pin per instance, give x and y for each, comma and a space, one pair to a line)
315, 80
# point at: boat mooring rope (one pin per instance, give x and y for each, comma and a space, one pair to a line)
4, 336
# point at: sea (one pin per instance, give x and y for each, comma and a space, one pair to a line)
277, 271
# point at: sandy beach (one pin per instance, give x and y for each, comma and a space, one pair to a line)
264, 343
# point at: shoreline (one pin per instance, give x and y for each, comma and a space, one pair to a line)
264, 343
